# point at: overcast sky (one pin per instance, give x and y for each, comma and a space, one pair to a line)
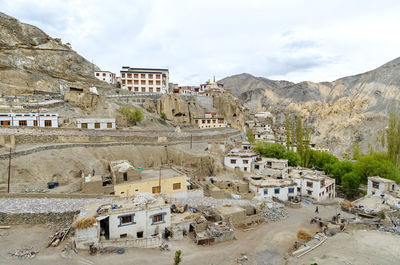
316, 40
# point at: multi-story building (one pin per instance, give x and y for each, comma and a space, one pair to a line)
271, 167
314, 184
267, 187
380, 186
145, 80
29, 119
210, 120
105, 76
240, 159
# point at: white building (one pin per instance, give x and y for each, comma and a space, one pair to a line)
145, 80
95, 123
271, 167
105, 76
29, 119
267, 187
122, 221
210, 120
240, 159
263, 114
380, 186
314, 184
210, 88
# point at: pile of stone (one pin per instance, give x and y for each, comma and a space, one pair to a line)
243, 258
25, 253
43, 205
275, 214
394, 229
209, 202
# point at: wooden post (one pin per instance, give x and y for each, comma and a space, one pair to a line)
9, 171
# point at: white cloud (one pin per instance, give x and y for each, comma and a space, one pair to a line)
293, 40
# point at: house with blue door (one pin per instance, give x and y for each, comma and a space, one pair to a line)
268, 187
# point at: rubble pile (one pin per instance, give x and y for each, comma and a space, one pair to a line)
209, 202
25, 253
276, 214
394, 229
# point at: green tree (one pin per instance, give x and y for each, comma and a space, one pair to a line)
250, 136
340, 168
322, 160
274, 150
177, 257
375, 164
350, 183
299, 139
356, 150
292, 157
393, 138
306, 147
163, 116
288, 131
134, 115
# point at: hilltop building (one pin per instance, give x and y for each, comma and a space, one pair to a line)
145, 80
106, 76
210, 88
314, 184
210, 120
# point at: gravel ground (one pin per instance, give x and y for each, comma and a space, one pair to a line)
43, 205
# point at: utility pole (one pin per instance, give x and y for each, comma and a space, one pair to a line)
159, 179
191, 141
9, 171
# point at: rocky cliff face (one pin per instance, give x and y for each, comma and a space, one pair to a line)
349, 109
182, 110
31, 60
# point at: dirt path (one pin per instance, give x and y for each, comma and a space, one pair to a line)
266, 244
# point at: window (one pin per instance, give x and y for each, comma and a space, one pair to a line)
158, 82
139, 234
47, 123
123, 82
245, 168
109, 125
125, 176
97, 74
265, 191
176, 186
143, 76
97, 125
143, 89
127, 219
122, 75
129, 82
84, 125
156, 189
256, 167
123, 235
158, 89
291, 190
150, 82
129, 88
269, 164
309, 184
245, 161
375, 185
5, 123
158, 76
136, 82
150, 89
322, 183
151, 76
22, 123
135, 75
276, 190
157, 218
309, 192
136, 89
233, 161
129, 75
104, 74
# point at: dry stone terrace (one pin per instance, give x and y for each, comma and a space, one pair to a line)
43, 205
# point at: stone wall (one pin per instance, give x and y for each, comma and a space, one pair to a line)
152, 242
36, 218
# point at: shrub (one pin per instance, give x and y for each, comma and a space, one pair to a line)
163, 116
134, 115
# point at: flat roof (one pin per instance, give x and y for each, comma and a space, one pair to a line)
242, 154
269, 182
380, 179
270, 159
154, 174
229, 209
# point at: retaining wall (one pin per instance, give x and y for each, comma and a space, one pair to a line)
36, 218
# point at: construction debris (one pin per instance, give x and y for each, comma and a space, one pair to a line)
242, 259
164, 246
59, 236
25, 253
276, 214
110, 250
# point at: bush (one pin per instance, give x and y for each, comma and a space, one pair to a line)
350, 183
134, 115
250, 136
163, 116
382, 215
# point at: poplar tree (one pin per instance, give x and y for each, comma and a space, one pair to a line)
299, 139
393, 141
288, 131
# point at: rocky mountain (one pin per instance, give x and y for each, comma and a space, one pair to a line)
32, 60
352, 108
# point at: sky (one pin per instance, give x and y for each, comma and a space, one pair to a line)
295, 40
